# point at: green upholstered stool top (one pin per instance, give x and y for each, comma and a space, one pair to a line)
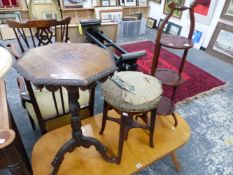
131, 91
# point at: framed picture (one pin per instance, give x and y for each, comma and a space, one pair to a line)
221, 43
157, 1
9, 15
166, 26
176, 13
130, 2
113, 3
94, 3
87, 3
105, 3
151, 23
73, 3
198, 36
142, 2
9, 3
39, 1
49, 15
111, 13
227, 12
204, 10
173, 29
202, 7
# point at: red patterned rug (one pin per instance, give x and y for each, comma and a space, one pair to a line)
196, 80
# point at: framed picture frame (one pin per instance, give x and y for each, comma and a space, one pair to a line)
72, 3
113, 2
151, 23
204, 10
221, 43
157, 1
130, 3
173, 29
105, 3
227, 12
87, 3
165, 29
176, 13
198, 37
50, 15
9, 15
9, 3
142, 3
111, 13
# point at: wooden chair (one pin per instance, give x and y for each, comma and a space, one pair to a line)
43, 106
172, 78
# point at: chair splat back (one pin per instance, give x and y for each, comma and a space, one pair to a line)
33, 33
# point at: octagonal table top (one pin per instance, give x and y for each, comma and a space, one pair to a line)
71, 64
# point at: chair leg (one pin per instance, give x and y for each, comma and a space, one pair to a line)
175, 161
104, 119
32, 122
152, 127
123, 123
175, 119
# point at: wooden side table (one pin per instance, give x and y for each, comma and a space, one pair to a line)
73, 66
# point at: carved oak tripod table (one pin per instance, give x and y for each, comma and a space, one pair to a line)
73, 66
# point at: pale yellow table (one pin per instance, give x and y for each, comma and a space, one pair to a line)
137, 153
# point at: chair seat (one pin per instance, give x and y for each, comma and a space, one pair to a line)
132, 91
47, 107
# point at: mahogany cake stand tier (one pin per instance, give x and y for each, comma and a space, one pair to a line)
175, 42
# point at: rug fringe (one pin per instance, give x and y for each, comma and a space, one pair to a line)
203, 94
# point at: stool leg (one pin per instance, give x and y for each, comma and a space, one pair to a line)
105, 114
123, 123
152, 127
126, 132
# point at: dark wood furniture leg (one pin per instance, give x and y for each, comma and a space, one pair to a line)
105, 113
20, 147
15, 163
123, 122
128, 122
92, 100
152, 127
78, 139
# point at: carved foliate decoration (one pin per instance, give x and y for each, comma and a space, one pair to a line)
44, 36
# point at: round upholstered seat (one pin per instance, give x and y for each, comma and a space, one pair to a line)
132, 91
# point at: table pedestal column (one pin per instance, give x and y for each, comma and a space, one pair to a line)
78, 139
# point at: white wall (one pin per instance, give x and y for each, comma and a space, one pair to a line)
156, 11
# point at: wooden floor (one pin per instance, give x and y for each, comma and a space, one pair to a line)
136, 153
